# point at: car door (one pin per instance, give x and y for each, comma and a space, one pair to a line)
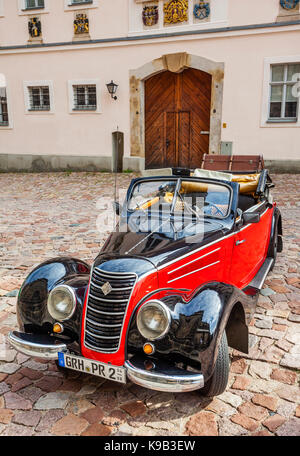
250, 247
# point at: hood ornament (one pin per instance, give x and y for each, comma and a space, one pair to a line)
106, 288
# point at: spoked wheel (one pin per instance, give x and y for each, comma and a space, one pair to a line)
217, 384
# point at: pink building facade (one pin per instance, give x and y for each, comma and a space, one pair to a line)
218, 77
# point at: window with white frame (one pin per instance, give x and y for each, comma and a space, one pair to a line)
85, 97
71, 5
79, 2
283, 105
34, 4
39, 98
3, 107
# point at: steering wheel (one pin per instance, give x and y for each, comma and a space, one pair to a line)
216, 207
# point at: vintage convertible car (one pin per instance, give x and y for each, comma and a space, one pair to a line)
171, 289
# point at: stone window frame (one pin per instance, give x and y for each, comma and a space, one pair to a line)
23, 11
39, 83
219, 18
2, 8
69, 6
8, 98
83, 82
265, 120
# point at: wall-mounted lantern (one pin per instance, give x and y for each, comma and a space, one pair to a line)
112, 89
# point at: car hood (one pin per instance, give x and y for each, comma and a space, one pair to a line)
158, 248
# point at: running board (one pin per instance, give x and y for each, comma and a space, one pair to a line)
258, 281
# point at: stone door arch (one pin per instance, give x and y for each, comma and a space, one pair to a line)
175, 63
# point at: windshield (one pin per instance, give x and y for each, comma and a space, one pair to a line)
196, 199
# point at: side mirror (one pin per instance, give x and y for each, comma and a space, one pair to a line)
117, 207
251, 217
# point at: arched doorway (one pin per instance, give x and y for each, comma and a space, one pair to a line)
177, 118
188, 90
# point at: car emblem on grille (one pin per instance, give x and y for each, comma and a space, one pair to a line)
106, 288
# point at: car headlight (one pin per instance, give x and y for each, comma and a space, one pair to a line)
153, 320
61, 303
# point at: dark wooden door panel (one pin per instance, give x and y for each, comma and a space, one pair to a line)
155, 135
183, 139
170, 134
177, 112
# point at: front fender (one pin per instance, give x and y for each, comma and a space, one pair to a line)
32, 312
198, 323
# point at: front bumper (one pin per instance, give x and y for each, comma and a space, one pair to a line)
162, 377
40, 346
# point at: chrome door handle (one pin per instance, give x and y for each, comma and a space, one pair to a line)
204, 133
240, 242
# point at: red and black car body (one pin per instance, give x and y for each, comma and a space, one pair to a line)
207, 282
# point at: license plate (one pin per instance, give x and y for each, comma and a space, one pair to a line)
89, 366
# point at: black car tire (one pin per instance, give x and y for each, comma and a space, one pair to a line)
274, 248
217, 384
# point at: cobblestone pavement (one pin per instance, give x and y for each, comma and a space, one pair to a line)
47, 215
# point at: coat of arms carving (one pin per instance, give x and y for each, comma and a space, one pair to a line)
34, 27
176, 11
150, 15
202, 10
81, 24
289, 4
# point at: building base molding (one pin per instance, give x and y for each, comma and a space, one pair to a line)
14, 163
53, 163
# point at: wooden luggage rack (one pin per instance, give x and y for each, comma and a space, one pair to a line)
233, 163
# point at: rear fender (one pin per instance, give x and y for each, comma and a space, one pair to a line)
276, 220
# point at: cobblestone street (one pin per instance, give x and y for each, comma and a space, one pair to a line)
48, 215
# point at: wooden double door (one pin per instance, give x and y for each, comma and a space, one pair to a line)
177, 118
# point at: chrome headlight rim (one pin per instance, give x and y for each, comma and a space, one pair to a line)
166, 311
71, 293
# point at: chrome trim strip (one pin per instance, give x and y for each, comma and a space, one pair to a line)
103, 326
257, 206
250, 224
196, 259
100, 337
205, 246
113, 289
193, 272
35, 349
106, 300
196, 250
105, 313
117, 274
164, 382
90, 347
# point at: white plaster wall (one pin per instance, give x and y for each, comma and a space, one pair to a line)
115, 18
61, 133
90, 133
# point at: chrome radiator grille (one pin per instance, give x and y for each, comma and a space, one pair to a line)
105, 313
